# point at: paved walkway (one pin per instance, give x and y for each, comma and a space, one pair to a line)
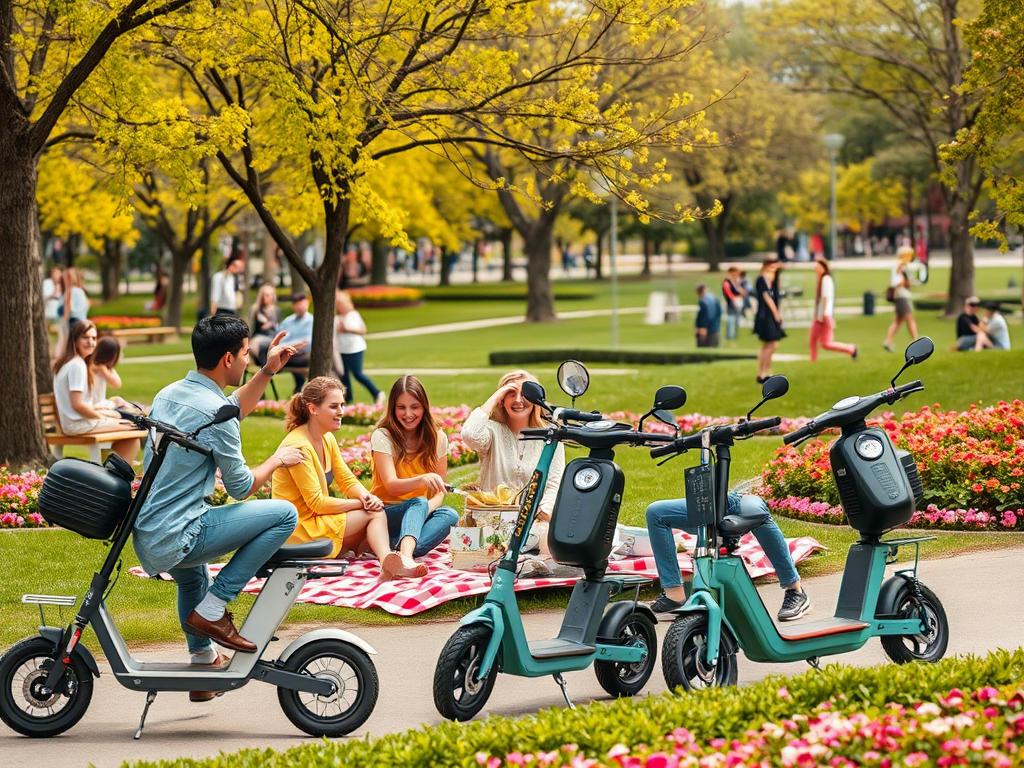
252, 718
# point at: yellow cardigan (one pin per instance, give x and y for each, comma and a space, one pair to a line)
305, 486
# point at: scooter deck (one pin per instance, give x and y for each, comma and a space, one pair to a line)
556, 649
823, 628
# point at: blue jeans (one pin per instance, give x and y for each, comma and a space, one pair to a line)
353, 365
663, 516
253, 530
413, 517
731, 324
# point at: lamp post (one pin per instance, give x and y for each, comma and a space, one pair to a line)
602, 187
833, 142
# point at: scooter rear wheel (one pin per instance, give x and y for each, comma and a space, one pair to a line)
458, 693
929, 645
23, 671
348, 708
684, 662
621, 678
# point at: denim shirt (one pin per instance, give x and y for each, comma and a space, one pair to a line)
169, 520
297, 328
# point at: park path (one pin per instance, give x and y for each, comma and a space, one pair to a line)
252, 718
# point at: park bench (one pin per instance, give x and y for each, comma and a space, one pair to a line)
96, 443
150, 335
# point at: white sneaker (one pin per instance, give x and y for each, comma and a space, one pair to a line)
380, 399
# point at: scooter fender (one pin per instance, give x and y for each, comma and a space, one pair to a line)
889, 593
489, 615
325, 634
704, 602
54, 635
616, 613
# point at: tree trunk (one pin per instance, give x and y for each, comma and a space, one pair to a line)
322, 288
715, 230
40, 328
506, 255
110, 269
540, 299
21, 434
181, 262
646, 271
961, 248
446, 266
379, 250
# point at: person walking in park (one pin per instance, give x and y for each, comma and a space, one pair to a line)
350, 346
298, 330
899, 294
493, 431
72, 391
314, 414
768, 320
409, 456
709, 317
823, 325
177, 530
224, 287
733, 295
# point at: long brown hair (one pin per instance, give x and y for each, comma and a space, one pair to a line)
817, 283
78, 330
426, 431
501, 415
314, 393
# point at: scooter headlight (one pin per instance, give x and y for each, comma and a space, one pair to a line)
586, 478
869, 448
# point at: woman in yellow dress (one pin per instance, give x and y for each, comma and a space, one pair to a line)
313, 416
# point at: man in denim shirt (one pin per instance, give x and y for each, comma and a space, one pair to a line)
177, 530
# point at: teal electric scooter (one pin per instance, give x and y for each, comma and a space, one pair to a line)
621, 642
879, 487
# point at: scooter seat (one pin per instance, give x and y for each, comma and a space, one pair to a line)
734, 526
310, 550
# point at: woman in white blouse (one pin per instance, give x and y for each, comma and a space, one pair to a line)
493, 429
824, 325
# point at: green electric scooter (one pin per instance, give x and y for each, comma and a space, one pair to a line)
879, 487
621, 642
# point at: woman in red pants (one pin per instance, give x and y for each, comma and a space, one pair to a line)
823, 325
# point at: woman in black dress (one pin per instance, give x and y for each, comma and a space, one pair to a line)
768, 320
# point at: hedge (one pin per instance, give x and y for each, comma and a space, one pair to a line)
596, 728
528, 356
501, 292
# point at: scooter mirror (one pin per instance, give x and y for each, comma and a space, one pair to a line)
665, 417
669, 398
225, 413
533, 392
573, 378
774, 387
919, 350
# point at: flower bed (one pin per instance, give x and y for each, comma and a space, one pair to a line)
985, 728
381, 296
971, 465
19, 499
115, 322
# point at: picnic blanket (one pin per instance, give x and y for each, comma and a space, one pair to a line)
360, 586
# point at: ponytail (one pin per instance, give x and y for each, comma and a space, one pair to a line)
313, 393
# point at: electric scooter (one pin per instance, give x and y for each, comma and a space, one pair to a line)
327, 684
879, 487
621, 642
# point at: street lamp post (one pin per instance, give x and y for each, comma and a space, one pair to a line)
833, 142
612, 253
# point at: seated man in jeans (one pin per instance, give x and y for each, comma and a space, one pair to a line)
177, 530
663, 516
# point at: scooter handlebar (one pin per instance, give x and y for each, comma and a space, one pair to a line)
800, 434
571, 414
142, 421
678, 445
745, 428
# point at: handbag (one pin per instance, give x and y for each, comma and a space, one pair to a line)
890, 293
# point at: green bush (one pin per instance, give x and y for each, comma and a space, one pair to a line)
528, 356
501, 292
718, 713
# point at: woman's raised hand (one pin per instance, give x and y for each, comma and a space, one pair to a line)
433, 482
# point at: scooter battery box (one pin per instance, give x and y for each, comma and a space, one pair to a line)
582, 527
86, 498
874, 489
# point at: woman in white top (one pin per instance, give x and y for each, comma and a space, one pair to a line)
899, 281
824, 304
72, 387
101, 365
493, 429
349, 346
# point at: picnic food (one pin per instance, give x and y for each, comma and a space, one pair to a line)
500, 496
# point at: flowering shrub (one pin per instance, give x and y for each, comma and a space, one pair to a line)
113, 322
986, 728
19, 499
971, 465
375, 295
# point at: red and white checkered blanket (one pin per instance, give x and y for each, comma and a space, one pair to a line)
360, 587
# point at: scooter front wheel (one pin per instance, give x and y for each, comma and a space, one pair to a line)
624, 678
459, 693
684, 656
23, 671
928, 645
355, 677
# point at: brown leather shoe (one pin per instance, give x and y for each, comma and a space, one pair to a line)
201, 696
222, 631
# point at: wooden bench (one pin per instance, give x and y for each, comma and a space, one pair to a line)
150, 335
96, 443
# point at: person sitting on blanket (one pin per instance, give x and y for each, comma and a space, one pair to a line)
493, 429
409, 457
313, 415
663, 516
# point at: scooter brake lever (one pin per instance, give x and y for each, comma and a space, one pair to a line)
673, 456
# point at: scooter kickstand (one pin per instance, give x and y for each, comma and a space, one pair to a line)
815, 662
561, 684
150, 698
